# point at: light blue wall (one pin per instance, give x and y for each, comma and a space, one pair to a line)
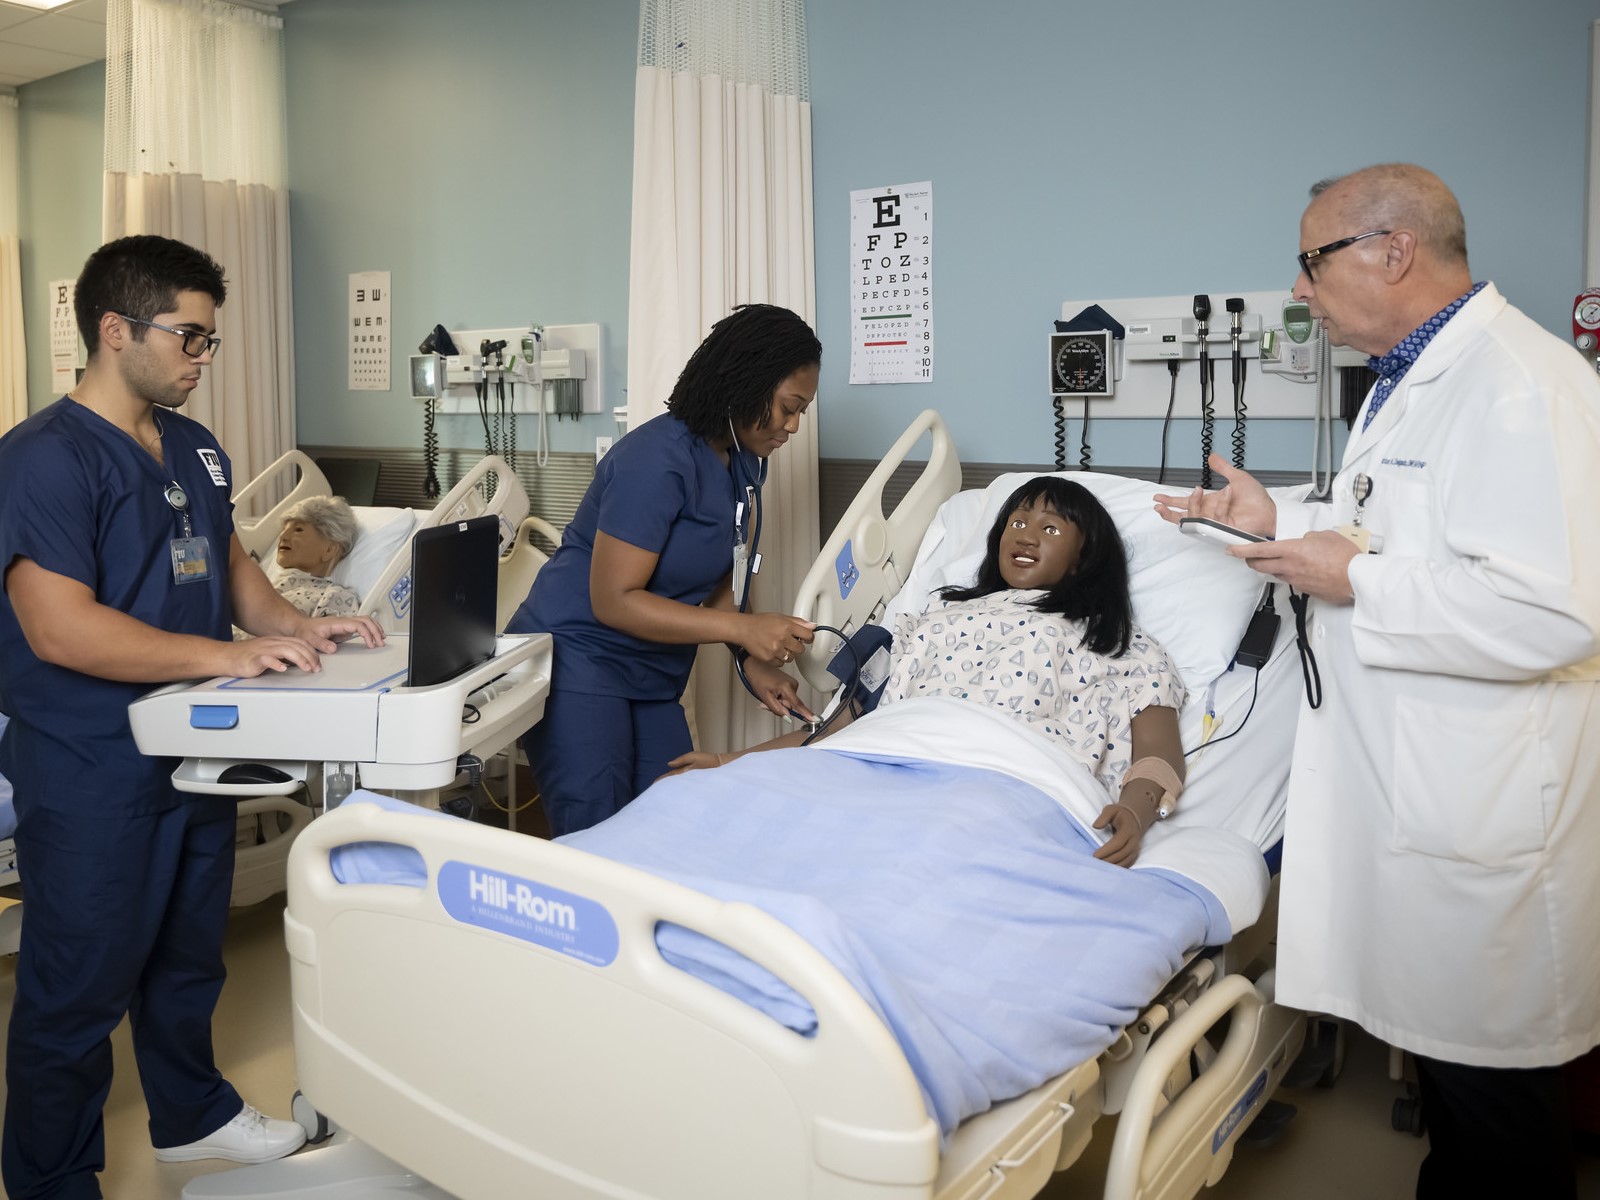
61, 145
1161, 147
481, 151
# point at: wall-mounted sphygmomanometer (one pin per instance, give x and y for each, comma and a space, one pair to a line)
1586, 325
1082, 363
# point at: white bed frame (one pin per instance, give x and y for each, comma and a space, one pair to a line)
637, 1080
260, 867
520, 558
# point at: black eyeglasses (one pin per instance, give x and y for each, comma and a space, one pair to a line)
195, 345
1307, 257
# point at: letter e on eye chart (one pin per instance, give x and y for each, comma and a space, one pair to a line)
891, 284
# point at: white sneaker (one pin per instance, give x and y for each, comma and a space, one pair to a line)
251, 1137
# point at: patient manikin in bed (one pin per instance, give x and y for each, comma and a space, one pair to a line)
318, 533
1045, 635
958, 853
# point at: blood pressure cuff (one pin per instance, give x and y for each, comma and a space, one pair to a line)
864, 662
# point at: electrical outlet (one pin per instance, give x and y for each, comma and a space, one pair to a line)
601, 445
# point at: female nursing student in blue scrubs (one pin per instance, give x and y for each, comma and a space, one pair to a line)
644, 573
121, 571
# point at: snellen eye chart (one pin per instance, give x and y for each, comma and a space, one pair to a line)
891, 284
369, 331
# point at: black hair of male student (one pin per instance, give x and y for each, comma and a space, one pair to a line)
140, 277
733, 373
1096, 591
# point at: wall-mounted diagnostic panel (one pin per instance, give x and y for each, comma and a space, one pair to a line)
1273, 336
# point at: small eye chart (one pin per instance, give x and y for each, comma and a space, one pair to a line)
891, 284
65, 353
369, 331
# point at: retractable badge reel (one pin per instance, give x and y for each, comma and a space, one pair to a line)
1365, 540
191, 556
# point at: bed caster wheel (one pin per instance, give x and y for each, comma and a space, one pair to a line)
1322, 1058
318, 1128
1331, 1031
1406, 1117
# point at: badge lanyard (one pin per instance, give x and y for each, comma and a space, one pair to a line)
746, 516
191, 556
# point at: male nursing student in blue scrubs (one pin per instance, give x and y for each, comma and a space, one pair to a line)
645, 572
122, 571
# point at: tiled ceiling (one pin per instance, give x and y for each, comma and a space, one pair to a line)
35, 44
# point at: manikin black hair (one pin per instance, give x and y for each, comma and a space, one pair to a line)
734, 372
1096, 591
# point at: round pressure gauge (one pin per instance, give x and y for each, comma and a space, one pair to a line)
1080, 364
1587, 313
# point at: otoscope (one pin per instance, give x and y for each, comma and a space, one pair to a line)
1235, 307
1202, 318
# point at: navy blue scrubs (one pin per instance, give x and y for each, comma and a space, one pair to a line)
613, 721
125, 880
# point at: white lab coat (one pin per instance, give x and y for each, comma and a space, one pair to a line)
1441, 873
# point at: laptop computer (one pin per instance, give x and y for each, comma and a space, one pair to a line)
453, 597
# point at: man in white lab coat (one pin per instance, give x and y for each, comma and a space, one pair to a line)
1441, 874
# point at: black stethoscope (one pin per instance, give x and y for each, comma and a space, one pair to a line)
747, 514
746, 519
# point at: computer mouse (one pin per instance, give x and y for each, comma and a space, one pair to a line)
249, 772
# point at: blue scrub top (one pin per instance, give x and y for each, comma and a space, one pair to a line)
81, 498
663, 489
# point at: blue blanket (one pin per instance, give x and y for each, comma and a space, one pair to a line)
964, 905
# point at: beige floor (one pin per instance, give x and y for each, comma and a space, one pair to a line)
1339, 1146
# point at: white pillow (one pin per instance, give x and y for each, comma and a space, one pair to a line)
1187, 594
383, 532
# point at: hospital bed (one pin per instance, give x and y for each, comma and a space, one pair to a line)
378, 570
529, 1054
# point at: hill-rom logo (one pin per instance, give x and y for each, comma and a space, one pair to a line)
534, 912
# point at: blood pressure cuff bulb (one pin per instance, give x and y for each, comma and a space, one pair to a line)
864, 664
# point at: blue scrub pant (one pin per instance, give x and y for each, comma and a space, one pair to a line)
122, 914
591, 755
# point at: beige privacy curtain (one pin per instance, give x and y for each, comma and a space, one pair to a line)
13, 351
195, 151
721, 217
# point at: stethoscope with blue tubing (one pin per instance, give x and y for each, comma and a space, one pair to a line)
747, 563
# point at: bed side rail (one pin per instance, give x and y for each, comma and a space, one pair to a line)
868, 556
1167, 1150
259, 536
389, 599
494, 1064
520, 564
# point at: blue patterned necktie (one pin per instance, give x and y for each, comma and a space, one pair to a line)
1392, 367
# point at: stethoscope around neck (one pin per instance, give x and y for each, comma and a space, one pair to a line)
747, 518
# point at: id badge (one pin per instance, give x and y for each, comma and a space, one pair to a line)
191, 560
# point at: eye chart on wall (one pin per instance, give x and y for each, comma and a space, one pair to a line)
369, 331
891, 284
66, 348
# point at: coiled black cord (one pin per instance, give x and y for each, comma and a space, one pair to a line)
1061, 434
430, 448
1208, 416
1083, 445
1238, 415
